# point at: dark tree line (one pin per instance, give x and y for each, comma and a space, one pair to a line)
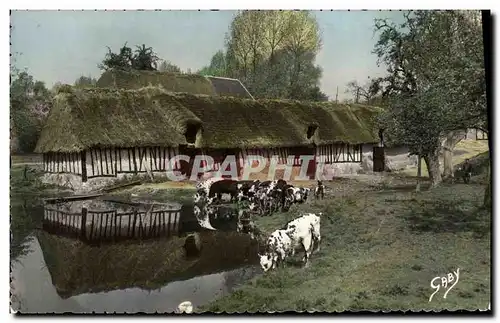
30, 102
143, 58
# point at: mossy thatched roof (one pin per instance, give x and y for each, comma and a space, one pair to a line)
336, 123
241, 123
229, 87
150, 116
83, 118
174, 82
77, 268
169, 81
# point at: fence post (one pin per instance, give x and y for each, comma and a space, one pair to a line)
83, 155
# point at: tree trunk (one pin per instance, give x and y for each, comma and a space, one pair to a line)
432, 161
452, 139
487, 192
419, 172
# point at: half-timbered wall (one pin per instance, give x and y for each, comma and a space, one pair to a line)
339, 153
241, 156
282, 154
109, 162
328, 154
69, 163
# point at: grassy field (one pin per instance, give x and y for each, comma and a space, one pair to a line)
26, 159
381, 247
181, 192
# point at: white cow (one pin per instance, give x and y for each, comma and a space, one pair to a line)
303, 233
279, 247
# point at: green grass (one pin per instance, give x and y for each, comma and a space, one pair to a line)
161, 192
25, 180
380, 249
26, 158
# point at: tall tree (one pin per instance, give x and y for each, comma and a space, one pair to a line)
217, 67
273, 53
85, 81
435, 80
167, 66
367, 93
29, 106
55, 88
122, 60
144, 58
315, 94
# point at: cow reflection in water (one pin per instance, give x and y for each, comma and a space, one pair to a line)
203, 218
245, 223
226, 218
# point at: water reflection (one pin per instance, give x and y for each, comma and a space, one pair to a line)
98, 221
26, 214
101, 256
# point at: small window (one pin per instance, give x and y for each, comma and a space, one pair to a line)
311, 130
191, 132
381, 136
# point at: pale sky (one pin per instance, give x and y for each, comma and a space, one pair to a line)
63, 45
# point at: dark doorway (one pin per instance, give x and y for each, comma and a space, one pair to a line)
378, 159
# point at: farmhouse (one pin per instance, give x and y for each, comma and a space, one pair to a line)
347, 133
343, 135
96, 135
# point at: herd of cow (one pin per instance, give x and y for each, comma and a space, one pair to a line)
264, 198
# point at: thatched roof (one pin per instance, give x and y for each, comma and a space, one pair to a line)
241, 123
224, 86
150, 116
169, 81
174, 82
77, 268
84, 118
336, 123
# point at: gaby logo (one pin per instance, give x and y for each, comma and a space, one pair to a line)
438, 282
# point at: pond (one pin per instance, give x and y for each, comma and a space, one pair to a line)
110, 256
